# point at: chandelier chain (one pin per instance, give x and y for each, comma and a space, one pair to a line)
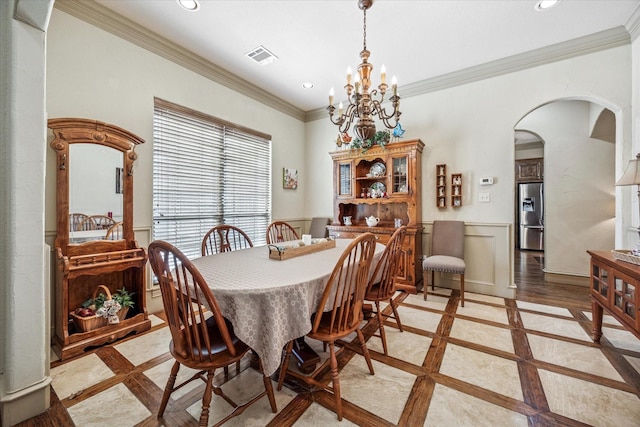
364, 31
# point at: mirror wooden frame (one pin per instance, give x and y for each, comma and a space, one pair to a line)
81, 268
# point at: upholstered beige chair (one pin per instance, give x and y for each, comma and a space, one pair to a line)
447, 252
318, 227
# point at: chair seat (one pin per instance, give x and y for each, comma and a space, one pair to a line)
447, 264
325, 333
219, 350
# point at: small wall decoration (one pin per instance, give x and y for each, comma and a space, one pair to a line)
290, 180
119, 180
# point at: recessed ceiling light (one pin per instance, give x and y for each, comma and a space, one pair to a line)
190, 5
307, 85
546, 4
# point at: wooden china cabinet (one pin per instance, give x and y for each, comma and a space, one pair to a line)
384, 183
85, 258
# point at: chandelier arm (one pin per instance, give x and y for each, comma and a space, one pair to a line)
381, 112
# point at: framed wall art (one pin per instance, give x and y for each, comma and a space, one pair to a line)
290, 178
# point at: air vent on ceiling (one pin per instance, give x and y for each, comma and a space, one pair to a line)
262, 55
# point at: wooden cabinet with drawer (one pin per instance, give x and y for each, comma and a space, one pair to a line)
383, 182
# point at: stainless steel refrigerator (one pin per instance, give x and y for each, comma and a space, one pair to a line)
531, 215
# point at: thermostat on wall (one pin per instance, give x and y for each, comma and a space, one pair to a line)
486, 180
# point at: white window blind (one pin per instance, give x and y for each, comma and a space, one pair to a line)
207, 172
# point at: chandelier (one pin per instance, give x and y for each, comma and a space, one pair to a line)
364, 105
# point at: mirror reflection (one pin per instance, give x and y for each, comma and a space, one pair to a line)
95, 192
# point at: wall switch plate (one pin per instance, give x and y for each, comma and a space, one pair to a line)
484, 197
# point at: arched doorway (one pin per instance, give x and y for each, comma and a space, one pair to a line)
576, 141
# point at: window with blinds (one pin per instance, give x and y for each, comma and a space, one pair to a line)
207, 172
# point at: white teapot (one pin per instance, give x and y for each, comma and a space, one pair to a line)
372, 221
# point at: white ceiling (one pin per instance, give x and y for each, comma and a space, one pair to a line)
317, 40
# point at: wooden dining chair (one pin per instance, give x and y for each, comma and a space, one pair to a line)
103, 222
87, 224
280, 231
381, 286
114, 232
339, 313
75, 219
201, 340
225, 238
447, 253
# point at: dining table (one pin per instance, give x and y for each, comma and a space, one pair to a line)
269, 301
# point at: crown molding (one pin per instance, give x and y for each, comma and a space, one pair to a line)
633, 24
557, 52
107, 20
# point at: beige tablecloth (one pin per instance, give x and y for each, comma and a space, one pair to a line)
270, 302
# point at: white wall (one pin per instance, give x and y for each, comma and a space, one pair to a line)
93, 74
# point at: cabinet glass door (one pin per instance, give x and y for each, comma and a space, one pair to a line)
399, 171
344, 179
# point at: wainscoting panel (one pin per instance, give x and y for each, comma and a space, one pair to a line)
488, 257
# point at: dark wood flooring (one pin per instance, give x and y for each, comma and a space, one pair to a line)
532, 287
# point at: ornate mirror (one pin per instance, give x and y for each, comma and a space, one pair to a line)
94, 181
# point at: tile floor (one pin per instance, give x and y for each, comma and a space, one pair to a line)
494, 362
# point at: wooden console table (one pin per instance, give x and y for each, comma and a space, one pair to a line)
614, 286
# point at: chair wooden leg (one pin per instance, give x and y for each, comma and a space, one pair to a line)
169, 388
394, 307
268, 387
383, 336
285, 364
365, 350
335, 378
433, 280
462, 289
206, 400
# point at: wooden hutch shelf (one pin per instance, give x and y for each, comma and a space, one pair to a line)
384, 182
441, 186
456, 190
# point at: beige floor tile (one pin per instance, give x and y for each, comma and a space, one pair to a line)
483, 370
622, 339
114, 406
590, 403
405, 346
361, 388
554, 325
160, 374
486, 312
435, 302
480, 333
420, 319
484, 298
450, 407
574, 356
319, 416
154, 343
607, 319
544, 308
241, 389
77, 375
155, 320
